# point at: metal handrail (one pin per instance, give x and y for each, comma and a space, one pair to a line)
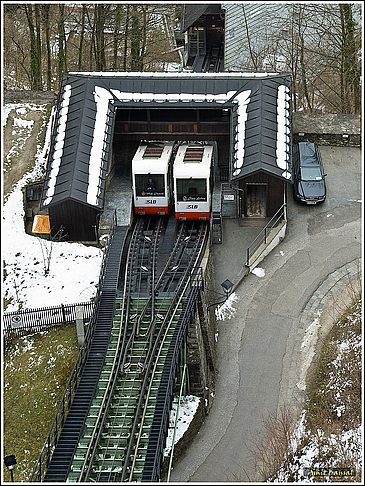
262, 236
175, 425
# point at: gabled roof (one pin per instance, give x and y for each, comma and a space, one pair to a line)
82, 134
76, 166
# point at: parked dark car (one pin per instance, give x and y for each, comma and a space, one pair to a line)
309, 183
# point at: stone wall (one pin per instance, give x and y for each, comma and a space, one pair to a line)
328, 129
27, 96
201, 343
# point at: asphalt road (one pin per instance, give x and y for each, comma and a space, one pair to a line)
258, 347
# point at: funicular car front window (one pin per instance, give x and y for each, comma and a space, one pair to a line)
191, 189
150, 185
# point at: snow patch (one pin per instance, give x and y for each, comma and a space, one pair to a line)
308, 350
19, 122
187, 409
260, 272
226, 310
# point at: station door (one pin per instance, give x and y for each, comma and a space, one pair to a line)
256, 200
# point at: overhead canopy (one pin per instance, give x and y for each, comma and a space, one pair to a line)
192, 12
82, 134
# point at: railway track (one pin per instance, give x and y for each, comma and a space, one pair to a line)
116, 435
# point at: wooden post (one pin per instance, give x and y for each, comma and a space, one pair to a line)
80, 325
63, 313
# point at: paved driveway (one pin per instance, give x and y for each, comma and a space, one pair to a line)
257, 348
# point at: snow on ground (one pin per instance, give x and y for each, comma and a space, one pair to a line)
313, 449
307, 452
22, 129
20, 109
226, 310
73, 271
260, 272
73, 268
188, 406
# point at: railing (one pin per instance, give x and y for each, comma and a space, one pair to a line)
170, 126
42, 463
19, 323
264, 236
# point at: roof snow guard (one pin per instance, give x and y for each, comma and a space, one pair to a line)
82, 135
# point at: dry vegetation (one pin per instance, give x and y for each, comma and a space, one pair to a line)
329, 434
334, 397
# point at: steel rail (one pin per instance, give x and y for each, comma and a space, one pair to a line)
95, 437
152, 360
121, 350
125, 342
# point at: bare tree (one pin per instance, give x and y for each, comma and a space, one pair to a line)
61, 42
321, 45
126, 35
136, 38
350, 81
32, 15
46, 26
82, 35
99, 21
116, 35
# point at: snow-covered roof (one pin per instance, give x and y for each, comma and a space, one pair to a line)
82, 134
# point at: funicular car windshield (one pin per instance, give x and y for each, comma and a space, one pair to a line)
191, 189
150, 185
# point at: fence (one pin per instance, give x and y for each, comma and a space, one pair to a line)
21, 322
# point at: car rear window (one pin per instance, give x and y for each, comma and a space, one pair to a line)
308, 154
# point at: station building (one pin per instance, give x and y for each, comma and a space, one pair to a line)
101, 118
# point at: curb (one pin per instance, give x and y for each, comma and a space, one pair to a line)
325, 306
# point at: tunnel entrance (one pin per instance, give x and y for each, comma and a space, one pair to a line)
135, 124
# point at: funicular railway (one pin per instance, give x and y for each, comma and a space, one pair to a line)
117, 426
117, 423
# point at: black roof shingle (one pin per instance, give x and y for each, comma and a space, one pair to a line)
80, 172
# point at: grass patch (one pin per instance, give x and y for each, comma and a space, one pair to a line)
36, 370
